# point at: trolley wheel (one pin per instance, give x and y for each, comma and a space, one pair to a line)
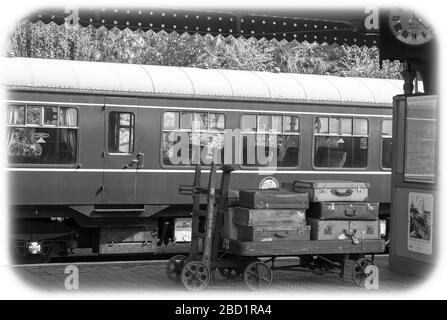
358, 271
257, 275
174, 267
230, 273
195, 276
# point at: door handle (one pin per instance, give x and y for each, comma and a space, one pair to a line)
140, 160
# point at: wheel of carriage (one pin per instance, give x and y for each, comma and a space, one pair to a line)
230, 273
258, 276
174, 267
195, 276
358, 271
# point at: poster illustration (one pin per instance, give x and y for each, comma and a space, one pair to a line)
420, 222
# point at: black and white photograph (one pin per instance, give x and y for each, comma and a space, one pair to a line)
163, 151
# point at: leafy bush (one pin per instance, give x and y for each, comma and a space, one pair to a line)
51, 41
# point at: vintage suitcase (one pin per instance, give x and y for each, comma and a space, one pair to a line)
343, 229
273, 233
333, 190
269, 217
273, 199
343, 211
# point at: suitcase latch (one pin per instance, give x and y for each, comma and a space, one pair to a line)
331, 206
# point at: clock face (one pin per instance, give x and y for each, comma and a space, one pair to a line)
409, 28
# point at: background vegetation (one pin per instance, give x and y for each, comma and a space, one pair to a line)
52, 41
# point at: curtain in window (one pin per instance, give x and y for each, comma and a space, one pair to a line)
69, 137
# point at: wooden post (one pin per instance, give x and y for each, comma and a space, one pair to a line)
210, 218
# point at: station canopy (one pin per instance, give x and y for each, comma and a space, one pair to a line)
320, 26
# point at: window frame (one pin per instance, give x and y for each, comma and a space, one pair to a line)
163, 131
382, 136
75, 163
282, 133
314, 135
132, 132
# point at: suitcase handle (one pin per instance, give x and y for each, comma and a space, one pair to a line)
284, 234
342, 194
351, 213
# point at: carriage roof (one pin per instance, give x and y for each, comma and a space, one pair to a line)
154, 80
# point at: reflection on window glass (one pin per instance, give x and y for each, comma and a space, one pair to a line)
291, 124
50, 116
33, 115
217, 121
322, 125
121, 132
334, 125
360, 126
248, 122
171, 120
387, 127
274, 143
198, 141
387, 143
40, 139
68, 117
338, 147
346, 125
16, 115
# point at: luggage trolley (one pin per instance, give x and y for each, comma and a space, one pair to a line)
255, 261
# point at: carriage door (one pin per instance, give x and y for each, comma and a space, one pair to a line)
121, 157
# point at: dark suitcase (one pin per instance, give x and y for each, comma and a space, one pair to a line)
270, 234
269, 217
333, 190
343, 211
343, 229
273, 199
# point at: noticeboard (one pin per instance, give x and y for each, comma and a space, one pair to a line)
420, 139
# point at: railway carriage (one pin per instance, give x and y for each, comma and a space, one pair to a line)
89, 145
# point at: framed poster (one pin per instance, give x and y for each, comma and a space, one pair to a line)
420, 222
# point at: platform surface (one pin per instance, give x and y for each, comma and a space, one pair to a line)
147, 276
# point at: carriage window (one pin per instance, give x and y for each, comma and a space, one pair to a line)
41, 134
341, 142
270, 140
387, 143
121, 132
190, 138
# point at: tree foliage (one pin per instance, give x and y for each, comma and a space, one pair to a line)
39, 40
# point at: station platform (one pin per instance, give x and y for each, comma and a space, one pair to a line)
140, 276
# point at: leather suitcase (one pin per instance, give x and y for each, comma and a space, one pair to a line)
269, 217
333, 190
343, 211
273, 199
270, 234
343, 229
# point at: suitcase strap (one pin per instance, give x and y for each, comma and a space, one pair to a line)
351, 233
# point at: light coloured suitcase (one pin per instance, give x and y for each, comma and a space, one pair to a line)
344, 211
269, 217
273, 199
343, 229
333, 190
269, 234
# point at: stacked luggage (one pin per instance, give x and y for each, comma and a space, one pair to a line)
340, 210
269, 215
